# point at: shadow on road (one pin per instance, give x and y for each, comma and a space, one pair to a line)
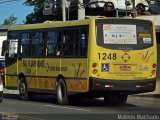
11, 96
86, 102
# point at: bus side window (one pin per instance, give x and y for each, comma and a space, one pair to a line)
13, 44
75, 43
53, 43
25, 38
63, 44
83, 42
37, 44
68, 43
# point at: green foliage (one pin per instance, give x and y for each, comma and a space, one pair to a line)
37, 15
10, 20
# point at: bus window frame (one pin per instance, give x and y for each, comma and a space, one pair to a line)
42, 44
122, 46
9, 42
45, 31
20, 44
79, 28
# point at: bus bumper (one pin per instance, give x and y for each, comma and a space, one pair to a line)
125, 86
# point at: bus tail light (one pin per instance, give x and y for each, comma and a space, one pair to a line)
154, 65
153, 72
139, 86
151, 84
98, 84
109, 86
95, 71
94, 65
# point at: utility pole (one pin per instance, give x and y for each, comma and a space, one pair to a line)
64, 10
81, 10
133, 13
126, 7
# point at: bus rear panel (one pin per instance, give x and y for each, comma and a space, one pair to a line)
123, 56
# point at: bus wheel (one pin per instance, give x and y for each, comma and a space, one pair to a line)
115, 99
24, 95
61, 92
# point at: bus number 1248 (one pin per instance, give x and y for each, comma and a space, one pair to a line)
105, 56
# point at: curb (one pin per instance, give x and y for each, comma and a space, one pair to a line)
149, 95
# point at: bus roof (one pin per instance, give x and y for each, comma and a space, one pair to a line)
54, 24
49, 24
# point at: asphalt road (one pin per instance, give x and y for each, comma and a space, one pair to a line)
47, 108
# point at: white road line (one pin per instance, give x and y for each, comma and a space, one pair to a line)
71, 108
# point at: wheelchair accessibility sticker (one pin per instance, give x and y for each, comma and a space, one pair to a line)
105, 67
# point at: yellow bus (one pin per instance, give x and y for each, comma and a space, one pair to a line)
96, 57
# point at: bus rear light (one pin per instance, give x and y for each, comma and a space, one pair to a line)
154, 65
98, 84
150, 84
109, 86
95, 71
153, 72
94, 65
139, 86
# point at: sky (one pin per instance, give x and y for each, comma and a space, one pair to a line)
16, 8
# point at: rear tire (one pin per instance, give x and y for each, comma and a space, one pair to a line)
24, 95
61, 92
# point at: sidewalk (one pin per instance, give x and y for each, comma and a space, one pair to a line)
6, 91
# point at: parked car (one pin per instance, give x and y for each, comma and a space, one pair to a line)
141, 5
1, 90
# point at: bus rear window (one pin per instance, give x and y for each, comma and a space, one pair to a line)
124, 34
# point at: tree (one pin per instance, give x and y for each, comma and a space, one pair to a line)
10, 20
37, 15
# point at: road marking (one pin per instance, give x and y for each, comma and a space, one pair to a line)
71, 108
7, 115
23, 117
